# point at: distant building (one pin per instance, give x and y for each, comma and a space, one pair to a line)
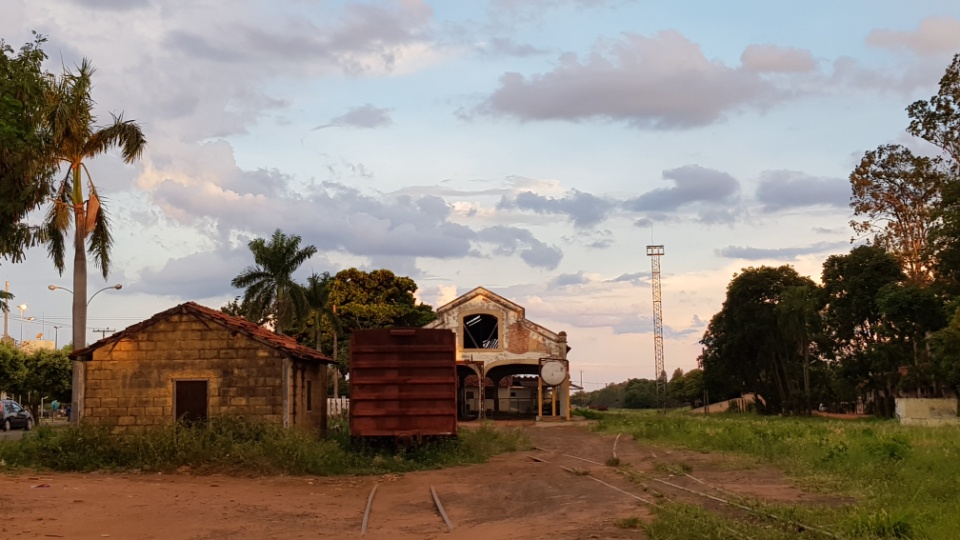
35, 345
495, 341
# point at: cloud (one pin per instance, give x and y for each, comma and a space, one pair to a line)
509, 240
663, 82
779, 190
366, 116
199, 275
780, 254
113, 5
714, 191
934, 36
635, 277
583, 209
565, 280
499, 46
775, 59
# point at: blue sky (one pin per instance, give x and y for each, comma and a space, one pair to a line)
532, 147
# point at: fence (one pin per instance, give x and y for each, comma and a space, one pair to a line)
338, 406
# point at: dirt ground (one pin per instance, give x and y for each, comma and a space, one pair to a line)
511, 497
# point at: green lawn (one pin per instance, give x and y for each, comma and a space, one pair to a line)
905, 480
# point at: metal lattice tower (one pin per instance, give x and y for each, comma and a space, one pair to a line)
655, 252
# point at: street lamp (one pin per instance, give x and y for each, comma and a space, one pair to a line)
76, 399
118, 286
22, 308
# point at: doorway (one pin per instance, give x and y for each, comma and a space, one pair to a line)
190, 401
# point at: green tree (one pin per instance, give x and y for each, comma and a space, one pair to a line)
75, 139
745, 350
945, 348
854, 321
271, 292
27, 167
41, 376
798, 317
377, 299
896, 193
937, 120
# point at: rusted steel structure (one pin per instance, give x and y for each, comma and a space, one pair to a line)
403, 383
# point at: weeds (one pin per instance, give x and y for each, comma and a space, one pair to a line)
226, 444
901, 480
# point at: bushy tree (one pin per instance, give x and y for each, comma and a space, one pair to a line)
377, 299
745, 350
27, 165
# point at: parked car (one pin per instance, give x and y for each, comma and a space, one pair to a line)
12, 416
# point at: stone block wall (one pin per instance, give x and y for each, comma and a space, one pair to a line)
131, 382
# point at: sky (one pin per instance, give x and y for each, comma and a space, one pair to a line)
532, 147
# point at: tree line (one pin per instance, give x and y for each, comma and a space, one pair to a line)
884, 321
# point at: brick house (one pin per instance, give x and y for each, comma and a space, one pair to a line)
497, 342
190, 362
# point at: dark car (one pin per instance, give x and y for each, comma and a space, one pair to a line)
13, 416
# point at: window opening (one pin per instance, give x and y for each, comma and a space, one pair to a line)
309, 396
481, 331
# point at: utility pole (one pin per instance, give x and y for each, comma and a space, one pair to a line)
6, 313
655, 252
103, 331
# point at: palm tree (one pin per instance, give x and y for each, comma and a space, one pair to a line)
271, 293
75, 139
317, 295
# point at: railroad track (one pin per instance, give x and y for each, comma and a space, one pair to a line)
433, 495
704, 491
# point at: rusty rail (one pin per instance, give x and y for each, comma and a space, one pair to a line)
433, 494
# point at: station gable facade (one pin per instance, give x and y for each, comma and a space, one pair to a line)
495, 341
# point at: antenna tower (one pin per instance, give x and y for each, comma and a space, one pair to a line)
655, 252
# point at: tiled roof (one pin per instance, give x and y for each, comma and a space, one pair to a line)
285, 344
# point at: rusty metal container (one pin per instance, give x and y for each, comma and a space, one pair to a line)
403, 383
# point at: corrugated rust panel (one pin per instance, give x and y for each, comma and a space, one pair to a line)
403, 382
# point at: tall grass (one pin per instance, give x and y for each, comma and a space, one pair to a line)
904, 481
238, 446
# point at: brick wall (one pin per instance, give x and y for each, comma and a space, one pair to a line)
131, 382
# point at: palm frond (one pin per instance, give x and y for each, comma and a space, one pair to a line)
56, 246
123, 133
101, 240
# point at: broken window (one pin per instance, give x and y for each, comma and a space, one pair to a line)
481, 331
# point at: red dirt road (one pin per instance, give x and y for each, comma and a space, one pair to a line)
511, 497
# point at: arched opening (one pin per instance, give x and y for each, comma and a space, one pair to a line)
481, 331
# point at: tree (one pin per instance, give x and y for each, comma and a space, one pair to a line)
798, 317
271, 292
897, 193
75, 139
43, 375
853, 321
377, 299
937, 120
316, 294
27, 167
745, 350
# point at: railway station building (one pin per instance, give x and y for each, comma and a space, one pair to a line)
507, 366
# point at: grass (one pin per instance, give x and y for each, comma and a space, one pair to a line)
904, 481
240, 447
